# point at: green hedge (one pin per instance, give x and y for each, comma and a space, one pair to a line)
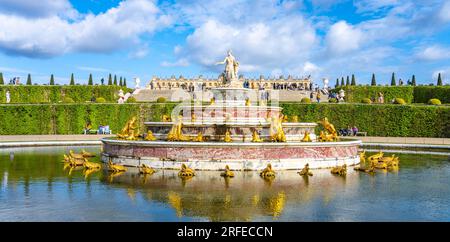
55, 94
424, 93
376, 120
354, 94
411, 94
379, 120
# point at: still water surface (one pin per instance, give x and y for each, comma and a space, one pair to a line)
35, 187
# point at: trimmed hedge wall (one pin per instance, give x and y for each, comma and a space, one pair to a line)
379, 120
411, 94
354, 94
55, 94
424, 93
376, 120
23, 119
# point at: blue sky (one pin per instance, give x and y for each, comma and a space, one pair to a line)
145, 38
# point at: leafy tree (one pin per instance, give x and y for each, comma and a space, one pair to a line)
393, 82
29, 80
109, 79
90, 81
120, 82
439, 81
2, 82
115, 80
374, 82
72, 80
342, 82
52, 80
347, 83
353, 80
413, 82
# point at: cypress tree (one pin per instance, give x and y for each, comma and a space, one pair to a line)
347, 83
120, 82
2, 82
342, 82
72, 80
90, 82
393, 80
374, 82
29, 80
124, 82
413, 82
115, 80
110, 79
439, 81
337, 83
353, 80
52, 80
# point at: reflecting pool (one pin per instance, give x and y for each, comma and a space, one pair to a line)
36, 187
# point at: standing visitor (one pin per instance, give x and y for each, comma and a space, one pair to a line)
318, 96
8, 97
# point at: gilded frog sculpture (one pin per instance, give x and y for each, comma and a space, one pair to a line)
227, 172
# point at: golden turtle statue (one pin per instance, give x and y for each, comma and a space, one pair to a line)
339, 170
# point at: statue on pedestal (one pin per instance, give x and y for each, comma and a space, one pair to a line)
231, 71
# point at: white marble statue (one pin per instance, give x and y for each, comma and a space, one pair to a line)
341, 95
231, 69
325, 83
137, 81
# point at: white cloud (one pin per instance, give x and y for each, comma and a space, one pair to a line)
92, 69
181, 62
342, 38
363, 6
445, 75
38, 9
444, 13
102, 33
276, 43
434, 52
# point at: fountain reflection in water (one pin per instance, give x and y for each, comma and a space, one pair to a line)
36, 181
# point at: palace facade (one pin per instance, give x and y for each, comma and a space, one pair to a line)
200, 83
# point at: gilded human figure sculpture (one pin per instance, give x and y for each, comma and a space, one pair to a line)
129, 131
276, 129
330, 133
175, 133
231, 70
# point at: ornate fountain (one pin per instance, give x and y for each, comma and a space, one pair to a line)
233, 129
